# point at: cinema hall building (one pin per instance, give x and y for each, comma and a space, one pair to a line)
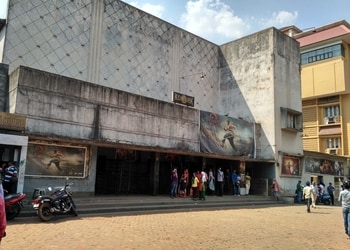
115, 98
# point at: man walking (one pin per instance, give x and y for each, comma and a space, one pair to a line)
344, 198
307, 192
330, 190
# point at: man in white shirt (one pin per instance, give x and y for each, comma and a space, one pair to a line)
344, 197
220, 182
307, 192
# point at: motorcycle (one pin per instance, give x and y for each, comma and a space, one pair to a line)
325, 199
13, 205
59, 202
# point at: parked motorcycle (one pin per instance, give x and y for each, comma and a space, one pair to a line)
325, 199
59, 202
13, 205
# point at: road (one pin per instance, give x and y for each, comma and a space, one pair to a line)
280, 227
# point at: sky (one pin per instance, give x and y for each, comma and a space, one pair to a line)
221, 21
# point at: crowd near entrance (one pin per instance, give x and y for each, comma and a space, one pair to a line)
126, 171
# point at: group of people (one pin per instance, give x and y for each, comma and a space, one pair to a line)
203, 183
9, 173
197, 187
344, 198
310, 192
317, 191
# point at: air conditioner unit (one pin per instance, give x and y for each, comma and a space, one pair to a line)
333, 151
330, 120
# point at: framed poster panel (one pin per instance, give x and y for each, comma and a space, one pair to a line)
291, 166
324, 166
56, 160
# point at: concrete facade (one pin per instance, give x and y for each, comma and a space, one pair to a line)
100, 69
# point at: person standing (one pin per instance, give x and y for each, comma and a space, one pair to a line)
235, 181
307, 194
183, 185
275, 189
194, 186
211, 181
204, 180
247, 183
314, 194
344, 198
299, 191
174, 182
10, 178
220, 182
330, 190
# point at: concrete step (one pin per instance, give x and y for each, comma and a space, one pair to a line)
156, 204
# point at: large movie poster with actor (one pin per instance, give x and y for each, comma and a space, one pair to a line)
324, 166
225, 135
291, 166
56, 160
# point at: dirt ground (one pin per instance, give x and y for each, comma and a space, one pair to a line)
280, 227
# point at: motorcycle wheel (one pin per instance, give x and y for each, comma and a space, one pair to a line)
13, 211
44, 212
327, 202
73, 209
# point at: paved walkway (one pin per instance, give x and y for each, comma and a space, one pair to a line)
279, 227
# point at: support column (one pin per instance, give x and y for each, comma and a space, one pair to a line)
155, 175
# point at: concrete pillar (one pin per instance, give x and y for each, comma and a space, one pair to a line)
155, 175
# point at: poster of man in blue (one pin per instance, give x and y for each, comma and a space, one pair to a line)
225, 135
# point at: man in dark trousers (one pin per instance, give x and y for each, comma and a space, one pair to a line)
330, 190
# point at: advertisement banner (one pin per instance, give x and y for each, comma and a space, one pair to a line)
56, 160
225, 135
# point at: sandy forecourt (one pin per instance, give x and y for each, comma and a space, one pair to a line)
280, 227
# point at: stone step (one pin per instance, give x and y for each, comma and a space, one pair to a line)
154, 204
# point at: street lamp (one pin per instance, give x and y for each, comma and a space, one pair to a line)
181, 98
201, 77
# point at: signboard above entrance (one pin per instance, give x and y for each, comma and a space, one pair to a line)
12, 121
183, 99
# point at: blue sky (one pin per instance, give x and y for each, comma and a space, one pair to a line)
221, 21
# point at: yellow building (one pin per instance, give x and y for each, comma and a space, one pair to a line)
325, 80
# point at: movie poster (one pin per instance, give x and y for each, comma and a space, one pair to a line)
56, 160
291, 166
324, 166
225, 135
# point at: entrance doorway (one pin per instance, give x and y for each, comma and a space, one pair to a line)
123, 171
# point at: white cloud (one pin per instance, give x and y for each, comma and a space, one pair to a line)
282, 19
212, 19
154, 9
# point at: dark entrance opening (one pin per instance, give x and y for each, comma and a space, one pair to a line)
123, 171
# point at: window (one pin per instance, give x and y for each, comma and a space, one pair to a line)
334, 142
322, 54
331, 114
291, 119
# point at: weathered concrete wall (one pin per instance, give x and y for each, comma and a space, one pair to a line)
58, 106
259, 75
287, 88
112, 44
4, 87
247, 79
